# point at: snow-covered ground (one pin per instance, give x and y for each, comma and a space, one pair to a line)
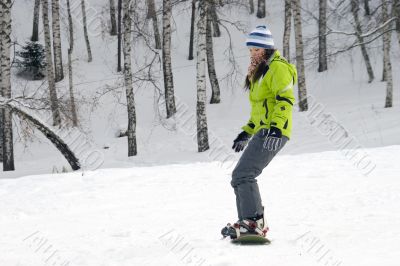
321, 209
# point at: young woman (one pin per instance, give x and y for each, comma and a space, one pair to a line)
270, 80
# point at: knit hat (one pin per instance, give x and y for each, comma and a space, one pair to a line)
261, 37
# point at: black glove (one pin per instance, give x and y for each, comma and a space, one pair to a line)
241, 141
273, 141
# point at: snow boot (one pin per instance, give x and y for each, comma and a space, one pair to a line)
252, 226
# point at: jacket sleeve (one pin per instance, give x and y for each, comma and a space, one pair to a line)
282, 84
249, 127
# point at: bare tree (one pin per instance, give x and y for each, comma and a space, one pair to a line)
396, 7
166, 59
70, 25
202, 130
261, 9
113, 31
216, 95
131, 131
366, 8
323, 59
214, 17
354, 9
286, 32
386, 56
70, 73
192, 21
251, 4
119, 67
153, 15
5, 34
49, 66
35, 30
58, 64
85, 31
1, 82
296, 7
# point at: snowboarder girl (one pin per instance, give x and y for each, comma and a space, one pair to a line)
270, 80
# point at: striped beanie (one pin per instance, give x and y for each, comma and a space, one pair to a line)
261, 37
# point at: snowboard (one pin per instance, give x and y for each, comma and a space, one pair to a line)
251, 240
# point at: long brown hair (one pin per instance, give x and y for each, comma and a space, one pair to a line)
262, 68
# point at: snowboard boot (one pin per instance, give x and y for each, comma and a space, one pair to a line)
249, 226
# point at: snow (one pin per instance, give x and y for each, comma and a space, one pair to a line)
331, 195
165, 215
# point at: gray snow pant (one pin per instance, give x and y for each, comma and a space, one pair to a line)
252, 162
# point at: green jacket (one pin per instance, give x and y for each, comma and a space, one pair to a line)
272, 98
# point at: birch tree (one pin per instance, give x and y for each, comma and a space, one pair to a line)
296, 7
251, 5
151, 13
49, 65
58, 64
1, 82
202, 131
119, 67
131, 131
261, 9
85, 31
357, 24
287, 30
74, 115
8, 147
212, 11
192, 21
113, 20
70, 25
386, 56
215, 96
35, 30
322, 54
166, 59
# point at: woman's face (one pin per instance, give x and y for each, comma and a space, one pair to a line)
256, 52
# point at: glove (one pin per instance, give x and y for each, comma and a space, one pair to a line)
241, 141
273, 141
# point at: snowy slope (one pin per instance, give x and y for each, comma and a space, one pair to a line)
354, 105
172, 215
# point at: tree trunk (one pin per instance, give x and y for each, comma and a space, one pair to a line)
89, 51
261, 9
386, 56
58, 64
366, 8
166, 54
7, 134
396, 6
119, 67
49, 65
354, 9
131, 131
296, 7
1, 82
192, 30
287, 30
70, 26
71, 90
202, 131
215, 96
251, 4
214, 16
47, 132
113, 19
323, 60
35, 30
153, 15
